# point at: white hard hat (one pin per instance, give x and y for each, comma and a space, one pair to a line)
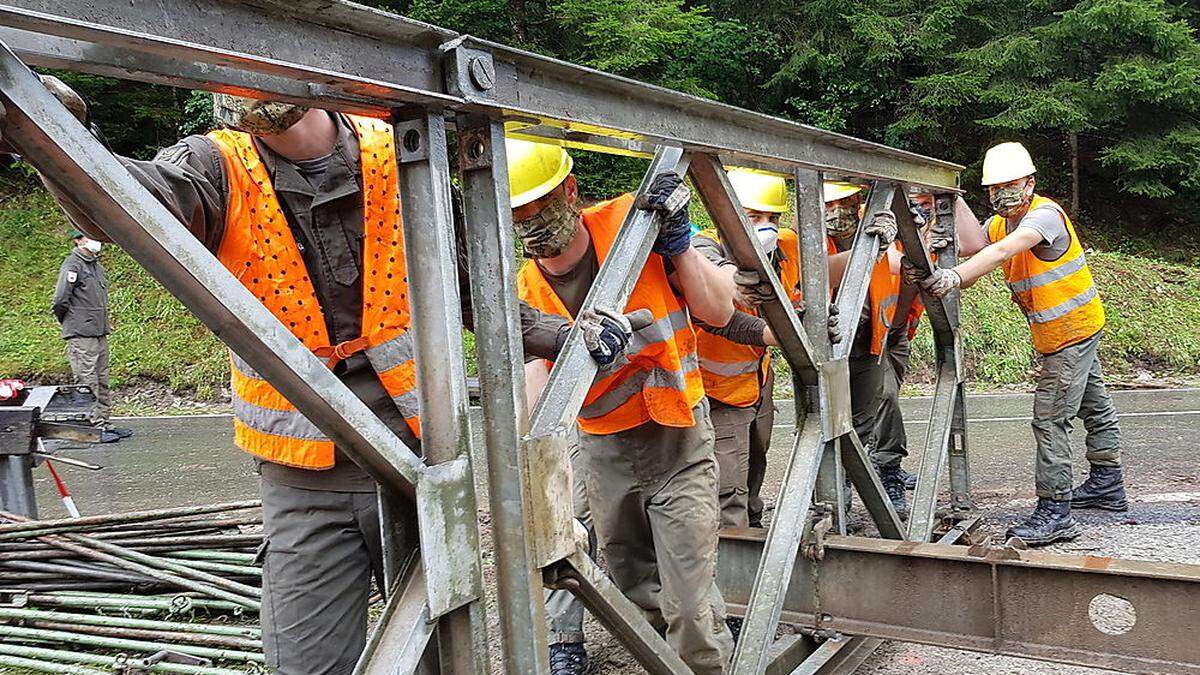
1005, 162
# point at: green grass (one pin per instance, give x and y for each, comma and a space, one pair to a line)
1153, 312
1151, 293
156, 338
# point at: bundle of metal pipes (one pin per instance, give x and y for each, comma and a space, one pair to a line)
171, 590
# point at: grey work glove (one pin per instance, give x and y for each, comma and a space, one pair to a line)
833, 325
606, 333
909, 273
941, 234
883, 223
667, 193
752, 290
941, 282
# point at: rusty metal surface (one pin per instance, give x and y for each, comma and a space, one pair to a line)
1018, 603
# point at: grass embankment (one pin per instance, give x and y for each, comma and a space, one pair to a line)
1151, 292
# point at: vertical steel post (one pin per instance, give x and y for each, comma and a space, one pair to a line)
960, 474
489, 242
424, 177
16, 485
814, 266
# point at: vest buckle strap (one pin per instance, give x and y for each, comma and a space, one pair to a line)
342, 350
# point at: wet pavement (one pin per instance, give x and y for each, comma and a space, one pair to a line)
191, 460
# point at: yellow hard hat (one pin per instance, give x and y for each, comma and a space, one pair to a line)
835, 190
759, 190
1005, 162
534, 169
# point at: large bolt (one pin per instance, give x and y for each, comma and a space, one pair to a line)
483, 76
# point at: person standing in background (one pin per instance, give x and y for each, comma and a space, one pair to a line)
81, 307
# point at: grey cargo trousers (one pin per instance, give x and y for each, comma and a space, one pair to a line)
1072, 385
322, 549
743, 437
653, 493
891, 442
89, 365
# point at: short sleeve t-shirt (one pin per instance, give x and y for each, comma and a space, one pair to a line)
1049, 223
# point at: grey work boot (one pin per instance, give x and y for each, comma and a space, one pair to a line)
1103, 489
910, 479
1051, 521
892, 478
568, 658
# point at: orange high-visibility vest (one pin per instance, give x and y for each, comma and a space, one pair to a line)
734, 373
657, 379
881, 294
1058, 297
259, 249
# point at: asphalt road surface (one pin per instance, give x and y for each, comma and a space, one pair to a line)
191, 460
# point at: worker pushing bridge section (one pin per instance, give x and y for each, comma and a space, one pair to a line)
344, 57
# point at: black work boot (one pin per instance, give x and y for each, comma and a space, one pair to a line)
568, 658
910, 479
893, 484
1051, 521
1103, 489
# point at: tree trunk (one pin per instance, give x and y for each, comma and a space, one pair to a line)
516, 12
1073, 141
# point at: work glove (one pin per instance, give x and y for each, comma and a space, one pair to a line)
73, 101
833, 324
606, 333
941, 235
941, 282
751, 290
668, 194
909, 273
883, 223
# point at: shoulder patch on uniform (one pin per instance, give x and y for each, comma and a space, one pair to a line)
176, 154
72, 277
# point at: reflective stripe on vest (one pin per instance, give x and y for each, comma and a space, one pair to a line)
259, 249
734, 373
1058, 297
658, 378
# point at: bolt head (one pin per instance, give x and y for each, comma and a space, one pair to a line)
483, 76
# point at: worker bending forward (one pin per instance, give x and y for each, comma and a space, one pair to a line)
1033, 240
302, 206
734, 361
645, 435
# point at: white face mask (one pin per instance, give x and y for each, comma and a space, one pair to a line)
92, 245
768, 236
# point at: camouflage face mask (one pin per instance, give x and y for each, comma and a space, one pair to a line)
841, 221
260, 118
1007, 200
547, 233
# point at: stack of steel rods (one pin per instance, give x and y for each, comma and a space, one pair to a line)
115, 591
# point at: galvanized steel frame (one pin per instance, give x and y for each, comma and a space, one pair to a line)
355, 59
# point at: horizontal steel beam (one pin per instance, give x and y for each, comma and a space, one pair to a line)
348, 54
1120, 614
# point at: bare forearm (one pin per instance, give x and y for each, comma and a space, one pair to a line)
967, 230
837, 267
707, 289
991, 257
